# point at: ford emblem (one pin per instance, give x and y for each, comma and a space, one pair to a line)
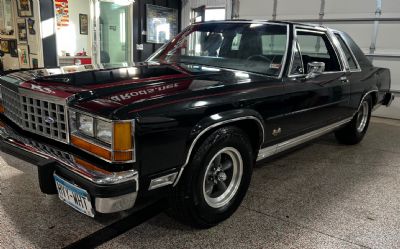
49, 120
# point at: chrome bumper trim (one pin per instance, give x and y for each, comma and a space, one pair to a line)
66, 160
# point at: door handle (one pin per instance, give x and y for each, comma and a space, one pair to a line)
344, 80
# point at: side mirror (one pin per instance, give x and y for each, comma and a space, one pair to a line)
314, 69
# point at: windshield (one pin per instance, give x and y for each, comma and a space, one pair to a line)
257, 47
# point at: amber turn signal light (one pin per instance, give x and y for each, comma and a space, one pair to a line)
123, 136
92, 148
1, 108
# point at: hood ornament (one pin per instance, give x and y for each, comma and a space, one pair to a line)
49, 120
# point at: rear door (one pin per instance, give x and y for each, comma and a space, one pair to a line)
320, 100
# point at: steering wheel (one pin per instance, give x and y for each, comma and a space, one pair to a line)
260, 56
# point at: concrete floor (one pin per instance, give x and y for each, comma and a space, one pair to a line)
321, 196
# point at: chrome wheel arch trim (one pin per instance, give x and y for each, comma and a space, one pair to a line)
362, 99
189, 153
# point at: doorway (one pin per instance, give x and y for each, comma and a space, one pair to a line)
113, 33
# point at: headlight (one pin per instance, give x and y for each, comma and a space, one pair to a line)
104, 131
111, 140
85, 125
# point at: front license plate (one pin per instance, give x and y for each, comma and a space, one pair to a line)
74, 196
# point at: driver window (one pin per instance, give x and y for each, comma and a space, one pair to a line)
316, 47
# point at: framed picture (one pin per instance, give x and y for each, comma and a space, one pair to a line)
4, 46
6, 18
83, 24
162, 23
25, 8
12, 45
23, 56
22, 31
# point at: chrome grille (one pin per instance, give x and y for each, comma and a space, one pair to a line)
43, 117
12, 106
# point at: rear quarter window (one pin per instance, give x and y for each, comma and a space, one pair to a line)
351, 60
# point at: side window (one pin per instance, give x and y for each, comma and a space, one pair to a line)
316, 47
349, 56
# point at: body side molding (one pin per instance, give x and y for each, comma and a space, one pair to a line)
280, 147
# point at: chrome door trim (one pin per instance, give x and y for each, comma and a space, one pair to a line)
211, 127
277, 148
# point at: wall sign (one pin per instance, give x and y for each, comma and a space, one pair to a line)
62, 13
83, 24
25, 8
162, 23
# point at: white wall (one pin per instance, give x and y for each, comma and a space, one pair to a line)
69, 38
388, 39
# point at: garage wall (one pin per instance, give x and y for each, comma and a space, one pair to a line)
373, 24
139, 24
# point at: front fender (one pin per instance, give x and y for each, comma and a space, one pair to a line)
220, 119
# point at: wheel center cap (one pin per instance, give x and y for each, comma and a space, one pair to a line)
222, 176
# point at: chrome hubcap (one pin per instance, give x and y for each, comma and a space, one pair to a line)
223, 176
362, 116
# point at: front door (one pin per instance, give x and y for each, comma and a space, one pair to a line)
315, 100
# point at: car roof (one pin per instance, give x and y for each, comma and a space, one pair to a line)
311, 25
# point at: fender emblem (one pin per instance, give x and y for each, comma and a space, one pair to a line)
49, 120
276, 132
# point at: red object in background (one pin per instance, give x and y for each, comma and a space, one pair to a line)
84, 61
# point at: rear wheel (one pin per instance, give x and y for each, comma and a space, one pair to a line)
355, 131
215, 182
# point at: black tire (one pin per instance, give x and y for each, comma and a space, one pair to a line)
188, 202
352, 133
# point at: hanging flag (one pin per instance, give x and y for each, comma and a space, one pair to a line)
62, 13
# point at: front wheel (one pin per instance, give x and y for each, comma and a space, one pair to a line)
215, 182
355, 131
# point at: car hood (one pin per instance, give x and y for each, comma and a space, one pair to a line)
108, 92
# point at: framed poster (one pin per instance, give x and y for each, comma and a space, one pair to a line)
12, 45
22, 32
23, 56
83, 24
4, 46
25, 8
162, 23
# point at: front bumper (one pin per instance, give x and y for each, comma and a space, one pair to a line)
110, 192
